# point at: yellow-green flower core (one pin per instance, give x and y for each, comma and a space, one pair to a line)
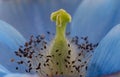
60, 43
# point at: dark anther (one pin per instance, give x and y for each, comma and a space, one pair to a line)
68, 57
61, 73
30, 65
59, 54
81, 75
47, 60
26, 71
48, 32
86, 38
38, 66
57, 50
49, 56
69, 52
26, 44
73, 62
66, 66
45, 47
57, 63
56, 72
44, 65
68, 45
86, 67
41, 48
16, 68
82, 65
79, 54
71, 71
52, 55
20, 62
79, 60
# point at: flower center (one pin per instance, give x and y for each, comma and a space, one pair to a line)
60, 57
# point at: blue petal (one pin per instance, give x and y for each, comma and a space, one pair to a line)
10, 36
106, 59
10, 40
3, 71
19, 75
94, 18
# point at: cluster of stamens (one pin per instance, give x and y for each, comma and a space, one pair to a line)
34, 55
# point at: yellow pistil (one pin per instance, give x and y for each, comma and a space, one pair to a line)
60, 44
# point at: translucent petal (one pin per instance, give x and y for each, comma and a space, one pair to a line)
95, 18
10, 40
3, 71
106, 59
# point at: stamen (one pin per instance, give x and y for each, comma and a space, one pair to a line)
42, 63
61, 57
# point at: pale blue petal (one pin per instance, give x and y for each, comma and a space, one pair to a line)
106, 59
20, 75
94, 18
10, 40
3, 71
6, 32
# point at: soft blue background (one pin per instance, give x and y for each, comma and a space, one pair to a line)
33, 16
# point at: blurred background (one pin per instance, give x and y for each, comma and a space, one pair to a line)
33, 16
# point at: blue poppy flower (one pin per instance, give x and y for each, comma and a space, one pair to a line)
27, 15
